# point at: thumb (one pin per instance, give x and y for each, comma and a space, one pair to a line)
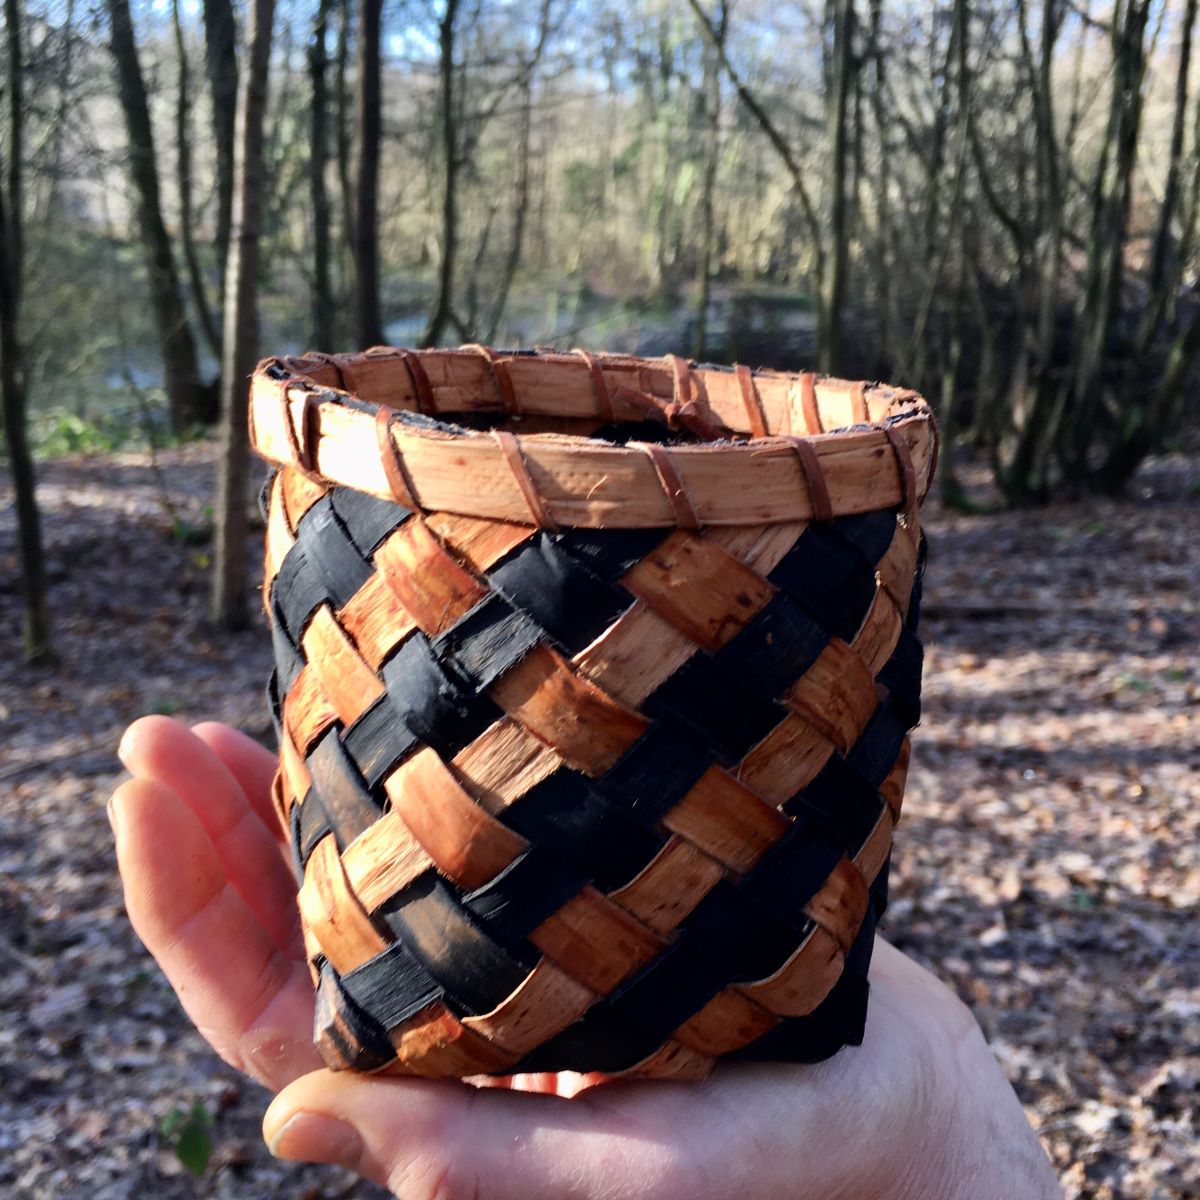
437, 1140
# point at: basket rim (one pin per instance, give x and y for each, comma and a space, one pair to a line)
770, 446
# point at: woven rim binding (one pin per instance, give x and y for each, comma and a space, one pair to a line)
766, 446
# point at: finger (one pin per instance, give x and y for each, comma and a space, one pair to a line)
168, 752
427, 1139
250, 763
251, 1002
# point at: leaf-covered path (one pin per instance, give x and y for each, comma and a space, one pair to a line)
1047, 867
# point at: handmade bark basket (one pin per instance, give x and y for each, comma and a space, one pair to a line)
593, 682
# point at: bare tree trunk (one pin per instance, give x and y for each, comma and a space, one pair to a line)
342, 120
322, 296
240, 339
180, 368
516, 243
37, 639
220, 63
183, 146
370, 130
444, 305
833, 281
712, 150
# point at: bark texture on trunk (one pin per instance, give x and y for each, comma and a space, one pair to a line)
370, 131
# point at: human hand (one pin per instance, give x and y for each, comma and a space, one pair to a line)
920, 1110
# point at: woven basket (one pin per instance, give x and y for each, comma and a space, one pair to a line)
593, 682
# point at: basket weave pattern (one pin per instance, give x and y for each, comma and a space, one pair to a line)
588, 782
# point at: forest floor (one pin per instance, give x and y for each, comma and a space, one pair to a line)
1048, 865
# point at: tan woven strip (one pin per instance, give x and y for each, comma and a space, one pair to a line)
511, 449
332, 912
803, 981
908, 476
727, 1022
858, 403
672, 485
670, 886
579, 721
397, 474
814, 476
345, 373
504, 383
840, 904
350, 684
808, 403
546, 1002
750, 396
466, 844
420, 381
435, 1043
604, 403
702, 590
304, 443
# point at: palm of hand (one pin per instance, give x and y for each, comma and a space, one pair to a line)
209, 891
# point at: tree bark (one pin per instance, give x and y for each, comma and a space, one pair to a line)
240, 340
220, 62
183, 147
180, 369
712, 150
444, 305
370, 129
37, 637
322, 295
833, 281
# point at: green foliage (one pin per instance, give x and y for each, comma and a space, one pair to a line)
189, 1133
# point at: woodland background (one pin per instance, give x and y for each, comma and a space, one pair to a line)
996, 203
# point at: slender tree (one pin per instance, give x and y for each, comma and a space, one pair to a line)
443, 309
322, 288
240, 340
180, 367
37, 637
370, 129
220, 65
711, 96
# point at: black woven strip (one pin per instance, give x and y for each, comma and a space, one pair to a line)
870, 533
296, 593
598, 1041
392, 986
275, 705
327, 546
745, 935
655, 773
901, 675
839, 1020
787, 877
264, 495
557, 592
714, 705
667, 991
342, 1027
366, 518
440, 710
486, 641
831, 583
296, 844
476, 972
879, 888
568, 815
288, 659
841, 802
609, 553
344, 795
875, 753
531, 888
310, 823
377, 741
775, 648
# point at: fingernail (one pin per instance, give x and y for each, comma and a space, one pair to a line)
311, 1137
123, 748
114, 817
